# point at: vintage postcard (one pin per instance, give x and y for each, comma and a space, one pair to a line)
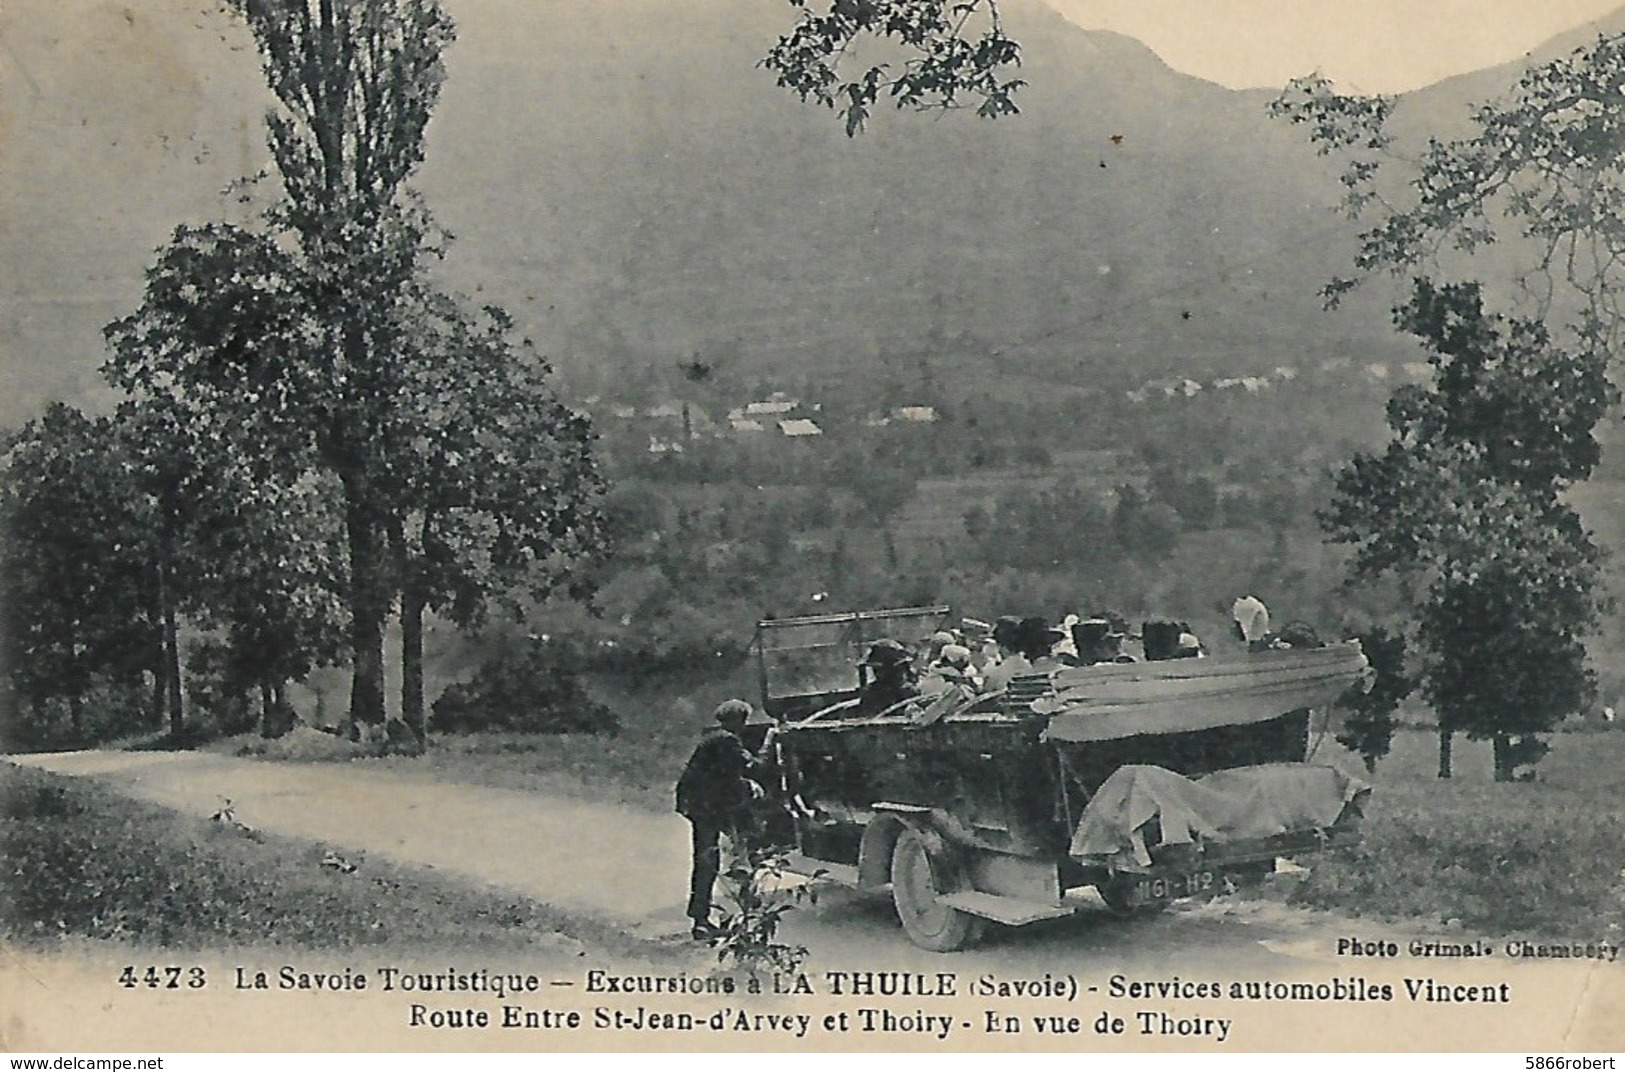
872, 525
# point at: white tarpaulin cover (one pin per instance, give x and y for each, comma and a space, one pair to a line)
1228, 805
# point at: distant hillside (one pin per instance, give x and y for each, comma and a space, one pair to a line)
622, 176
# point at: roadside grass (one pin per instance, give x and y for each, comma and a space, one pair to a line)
78, 861
1544, 856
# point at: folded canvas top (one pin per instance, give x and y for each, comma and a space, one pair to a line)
1229, 805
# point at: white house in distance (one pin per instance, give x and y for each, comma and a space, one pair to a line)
799, 428
775, 405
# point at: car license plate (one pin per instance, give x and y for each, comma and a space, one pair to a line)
1171, 887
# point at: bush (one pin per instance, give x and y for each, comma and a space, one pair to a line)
524, 691
107, 709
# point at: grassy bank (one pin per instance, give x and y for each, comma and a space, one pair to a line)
83, 862
1544, 856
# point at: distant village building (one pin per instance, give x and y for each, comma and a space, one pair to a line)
799, 428
1418, 370
774, 405
1286, 372
1254, 384
1377, 372
624, 413
664, 446
664, 411
915, 414
745, 424
876, 420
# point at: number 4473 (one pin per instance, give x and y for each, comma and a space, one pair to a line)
170, 978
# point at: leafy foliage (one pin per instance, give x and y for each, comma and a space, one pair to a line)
950, 52
523, 689
1540, 171
754, 904
386, 442
77, 581
1369, 723
1465, 503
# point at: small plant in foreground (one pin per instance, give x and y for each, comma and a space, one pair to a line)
754, 904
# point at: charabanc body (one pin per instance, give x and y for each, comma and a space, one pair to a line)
1150, 781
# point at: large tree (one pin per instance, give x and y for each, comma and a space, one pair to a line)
315, 344
79, 580
356, 82
1465, 505
1531, 197
497, 486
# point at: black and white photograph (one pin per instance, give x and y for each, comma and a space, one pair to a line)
832, 526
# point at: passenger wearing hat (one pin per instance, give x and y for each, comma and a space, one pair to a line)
952, 670
714, 794
1009, 635
1037, 641
1099, 640
889, 668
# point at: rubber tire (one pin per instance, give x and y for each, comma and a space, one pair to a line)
919, 877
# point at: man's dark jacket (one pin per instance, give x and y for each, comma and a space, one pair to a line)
714, 787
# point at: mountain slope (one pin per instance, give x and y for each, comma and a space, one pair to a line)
623, 177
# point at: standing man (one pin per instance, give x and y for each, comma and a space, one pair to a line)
714, 794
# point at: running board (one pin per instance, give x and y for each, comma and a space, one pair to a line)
807, 867
1007, 910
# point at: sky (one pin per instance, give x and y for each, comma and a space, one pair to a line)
1367, 46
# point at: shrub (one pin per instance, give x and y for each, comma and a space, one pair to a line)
754, 904
525, 691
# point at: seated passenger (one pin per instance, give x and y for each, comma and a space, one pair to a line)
891, 678
1006, 634
1037, 642
952, 670
1170, 640
1098, 641
1252, 621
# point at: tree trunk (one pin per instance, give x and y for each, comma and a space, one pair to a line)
1446, 740
284, 713
267, 712
1505, 764
413, 603
172, 671
369, 606
160, 683
76, 716
412, 711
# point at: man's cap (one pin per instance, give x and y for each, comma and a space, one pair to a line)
956, 655
886, 653
733, 711
1039, 631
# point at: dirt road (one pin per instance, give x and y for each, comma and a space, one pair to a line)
629, 868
